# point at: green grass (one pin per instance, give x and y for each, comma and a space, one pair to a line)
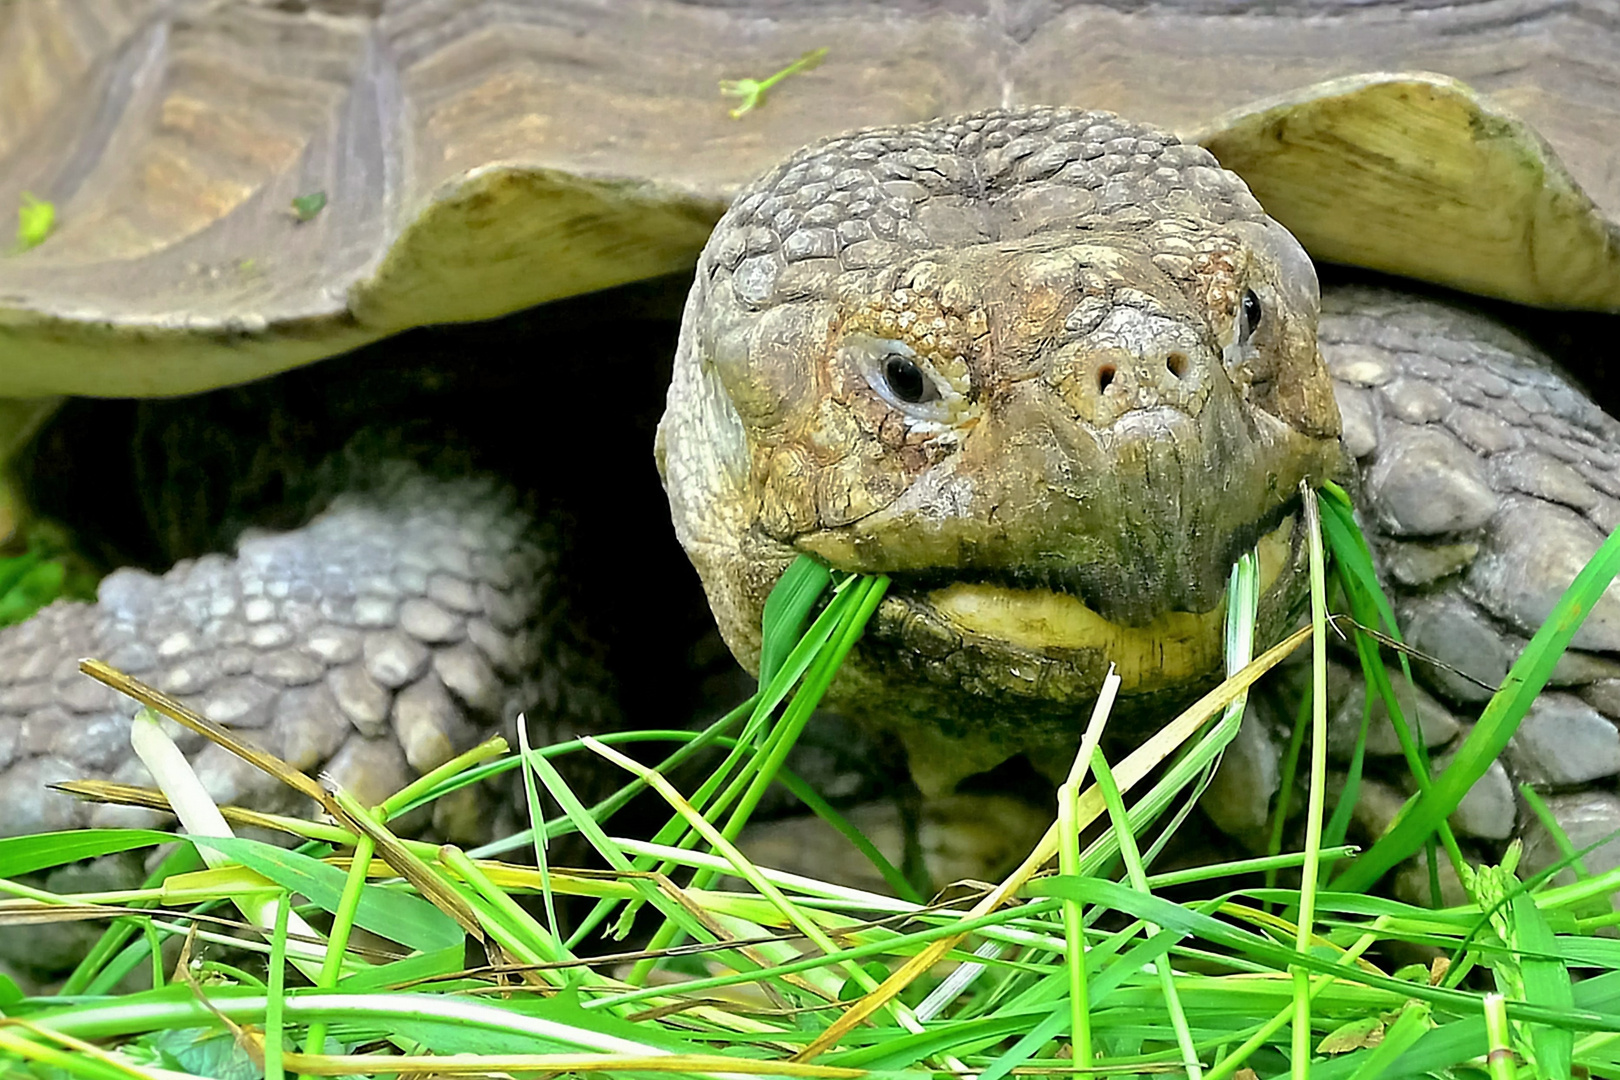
44, 571
1085, 967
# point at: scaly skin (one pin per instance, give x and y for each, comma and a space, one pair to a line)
395, 630
1487, 480
1107, 425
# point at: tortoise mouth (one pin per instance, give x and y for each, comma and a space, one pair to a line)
1012, 621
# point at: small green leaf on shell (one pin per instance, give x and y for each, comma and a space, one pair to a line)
305, 207
36, 218
752, 91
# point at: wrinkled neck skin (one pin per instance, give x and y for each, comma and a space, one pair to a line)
1056, 444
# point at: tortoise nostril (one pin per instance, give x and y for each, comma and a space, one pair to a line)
1105, 376
1177, 364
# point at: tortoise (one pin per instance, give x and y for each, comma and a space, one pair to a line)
242, 189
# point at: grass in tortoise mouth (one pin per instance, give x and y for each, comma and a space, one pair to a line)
1093, 965
1046, 614
1036, 583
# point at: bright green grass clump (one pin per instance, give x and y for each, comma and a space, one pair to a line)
1088, 970
45, 571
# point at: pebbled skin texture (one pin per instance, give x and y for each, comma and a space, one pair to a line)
441, 443
384, 709
395, 630
1485, 478
437, 442
1490, 478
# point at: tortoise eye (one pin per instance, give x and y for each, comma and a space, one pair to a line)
1252, 313
900, 377
906, 381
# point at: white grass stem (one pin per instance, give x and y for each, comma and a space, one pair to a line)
954, 984
782, 878
199, 816
1138, 880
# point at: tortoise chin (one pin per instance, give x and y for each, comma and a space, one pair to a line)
968, 673
1042, 629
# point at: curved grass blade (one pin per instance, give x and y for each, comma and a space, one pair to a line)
397, 916
25, 854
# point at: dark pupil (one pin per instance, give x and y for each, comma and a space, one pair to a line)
904, 378
1251, 309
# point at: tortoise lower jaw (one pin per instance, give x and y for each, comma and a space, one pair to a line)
1042, 642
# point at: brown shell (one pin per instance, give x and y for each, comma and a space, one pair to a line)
480, 156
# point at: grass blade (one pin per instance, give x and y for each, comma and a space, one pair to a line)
1310, 875
397, 916
1497, 723
1546, 983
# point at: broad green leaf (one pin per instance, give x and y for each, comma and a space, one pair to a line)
389, 913
14, 567
786, 608
39, 586
200, 1051
9, 994
25, 854
1546, 983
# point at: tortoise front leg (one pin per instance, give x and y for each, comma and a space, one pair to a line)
396, 629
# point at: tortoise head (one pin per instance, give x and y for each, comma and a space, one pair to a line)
1051, 370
